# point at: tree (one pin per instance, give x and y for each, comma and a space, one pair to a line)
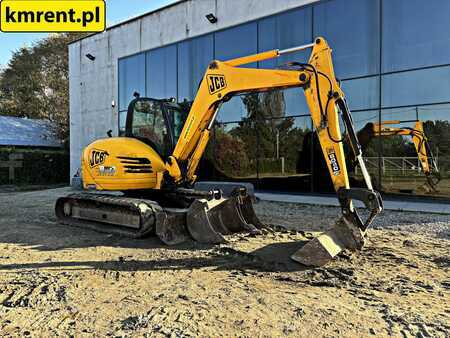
21, 87
256, 135
437, 133
35, 83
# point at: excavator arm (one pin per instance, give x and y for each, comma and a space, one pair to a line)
421, 146
325, 100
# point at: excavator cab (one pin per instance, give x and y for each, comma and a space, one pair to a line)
157, 123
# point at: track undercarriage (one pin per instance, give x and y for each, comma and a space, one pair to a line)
206, 216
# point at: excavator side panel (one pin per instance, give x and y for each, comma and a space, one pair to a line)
120, 163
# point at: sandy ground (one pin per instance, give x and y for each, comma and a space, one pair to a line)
64, 281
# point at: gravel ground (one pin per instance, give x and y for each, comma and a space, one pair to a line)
61, 281
307, 217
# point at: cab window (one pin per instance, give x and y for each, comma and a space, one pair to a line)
149, 124
178, 118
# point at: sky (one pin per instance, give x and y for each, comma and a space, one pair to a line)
116, 11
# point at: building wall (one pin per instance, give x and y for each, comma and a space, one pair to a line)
393, 58
94, 84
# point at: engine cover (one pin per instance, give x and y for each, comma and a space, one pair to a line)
121, 163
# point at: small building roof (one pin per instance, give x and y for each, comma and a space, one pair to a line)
16, 131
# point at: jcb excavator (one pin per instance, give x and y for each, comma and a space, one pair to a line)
424, 154
155, 164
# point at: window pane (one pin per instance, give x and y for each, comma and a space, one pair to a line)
399, 114
401, 169
362, 93
295, 102
162, 73
416, 33
235, 146
285, 30
233, 110
131, 79
436, 121
149, 124
400, 166
282, 31
351, 27
236, 42
281, 150
232, 43
361, 118
416, 87
122, 122
193, 59
272, 104
433, 113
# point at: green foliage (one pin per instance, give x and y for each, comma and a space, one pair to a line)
231, 155
253, 142
35, 82
39, 166
438, 134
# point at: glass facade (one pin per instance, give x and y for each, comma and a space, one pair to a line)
161, 73
393, 60
415, 34
193, 59
352, 28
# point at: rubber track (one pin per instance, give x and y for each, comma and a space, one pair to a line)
149, 217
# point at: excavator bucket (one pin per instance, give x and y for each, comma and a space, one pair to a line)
208, 221
171, 229
323, 248
348, 232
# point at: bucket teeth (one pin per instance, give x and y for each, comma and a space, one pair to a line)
245, 206
171, 227
209, 221
199, 225
323, 248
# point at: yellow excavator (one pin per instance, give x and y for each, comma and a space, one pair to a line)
421, 145
155, 164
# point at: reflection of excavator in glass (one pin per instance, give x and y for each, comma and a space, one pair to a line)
424, 154
155, 164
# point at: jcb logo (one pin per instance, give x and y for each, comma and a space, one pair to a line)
334, 162
216, 83
97, 157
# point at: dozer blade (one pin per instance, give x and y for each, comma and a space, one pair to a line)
323, 248
209, 221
